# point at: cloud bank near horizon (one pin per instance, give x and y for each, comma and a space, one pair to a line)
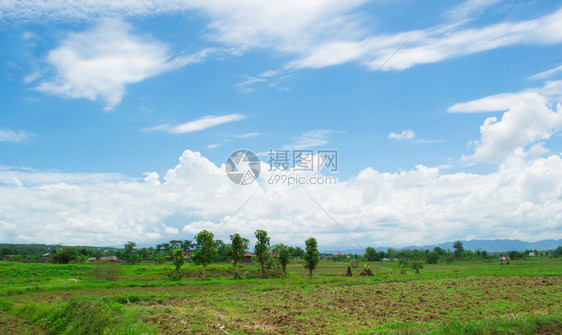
521, 200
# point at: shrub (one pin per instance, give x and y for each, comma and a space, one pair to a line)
417, 264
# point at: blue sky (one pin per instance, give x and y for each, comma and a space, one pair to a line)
464, 118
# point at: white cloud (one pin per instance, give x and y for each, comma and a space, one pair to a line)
527, 121
522, 199
247, 135
197, 125
547, 73
61, 10
316, 33
430, 45
171, 230
212, 146
538, 149
529, 117
471, 7
14, 136
552, 91
98, 63
309, 140
406, 134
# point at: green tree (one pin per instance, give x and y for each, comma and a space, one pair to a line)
223, 250
297, 252
557, 252
239, 246
206, 251
432, 258
128, 251
261, 248
311, 256
459, 249
81, 258
372, 255
515, 255
134, 258
439, 251
284, 255
65, 255
186, 244
158, 258
177, 257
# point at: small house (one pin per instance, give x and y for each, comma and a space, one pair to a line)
248, 257
110, 259
187, 254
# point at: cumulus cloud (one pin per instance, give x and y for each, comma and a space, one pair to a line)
522, 199
526, 122
98, 63
406, 134
14, 136
530, 116
197, 125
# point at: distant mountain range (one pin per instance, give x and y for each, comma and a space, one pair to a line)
488, 245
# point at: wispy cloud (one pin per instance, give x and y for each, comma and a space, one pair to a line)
197, 125
13, 136
552, 90
309, 139
314, 34
425, 141
247, 135
433, 44
251, 80
547, 73
406, 134
471, 7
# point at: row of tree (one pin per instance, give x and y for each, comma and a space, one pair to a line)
459, 253
206, 251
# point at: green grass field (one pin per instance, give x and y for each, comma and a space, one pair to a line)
464, 297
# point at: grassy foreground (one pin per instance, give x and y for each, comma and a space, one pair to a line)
464, 297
